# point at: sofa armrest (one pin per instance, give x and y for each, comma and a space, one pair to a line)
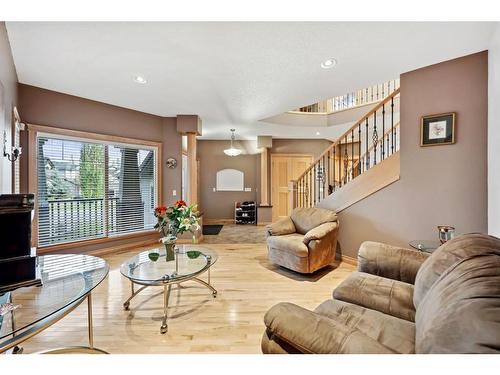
320, 232
377, 293
281, 227
390, 261
309, 332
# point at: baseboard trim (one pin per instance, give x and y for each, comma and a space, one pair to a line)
218, 221
349, 260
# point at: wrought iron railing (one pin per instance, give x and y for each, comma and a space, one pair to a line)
369, 95
370, 140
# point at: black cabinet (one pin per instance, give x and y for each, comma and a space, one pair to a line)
17, 262
245, 212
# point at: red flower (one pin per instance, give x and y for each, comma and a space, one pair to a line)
160, 210
180, 203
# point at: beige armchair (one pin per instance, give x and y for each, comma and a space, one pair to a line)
402, 301
304, 242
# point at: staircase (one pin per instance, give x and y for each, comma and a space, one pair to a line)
353, 159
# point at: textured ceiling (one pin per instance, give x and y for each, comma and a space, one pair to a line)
231, 74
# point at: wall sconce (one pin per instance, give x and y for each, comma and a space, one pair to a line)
16, 151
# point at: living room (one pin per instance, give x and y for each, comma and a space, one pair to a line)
294, 193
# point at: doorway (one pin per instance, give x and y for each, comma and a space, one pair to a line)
284, 168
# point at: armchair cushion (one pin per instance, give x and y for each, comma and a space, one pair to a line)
281, 227
306, 219
319, 232
299, 328
388, 296
289, 243
390, 261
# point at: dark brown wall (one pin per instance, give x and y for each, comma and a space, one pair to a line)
50, 108
440, 184
8, 80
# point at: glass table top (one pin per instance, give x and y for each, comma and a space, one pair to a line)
425, 245
151, 266
66, 279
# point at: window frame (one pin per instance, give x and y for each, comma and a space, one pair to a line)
34, 131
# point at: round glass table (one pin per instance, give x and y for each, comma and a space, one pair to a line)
67, 280
154, 268
427, 246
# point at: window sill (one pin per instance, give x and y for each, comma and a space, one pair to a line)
96, 241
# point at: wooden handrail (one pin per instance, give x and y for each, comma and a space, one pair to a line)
370, 149
349, 131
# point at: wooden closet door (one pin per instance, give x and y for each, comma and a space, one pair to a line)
281, 172
285, 168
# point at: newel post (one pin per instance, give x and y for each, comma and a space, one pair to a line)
292, 196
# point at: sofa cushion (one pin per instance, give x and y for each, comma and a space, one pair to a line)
378, 293
289, 243
460, 313
447, 255
306, 219
396, 334
309, 332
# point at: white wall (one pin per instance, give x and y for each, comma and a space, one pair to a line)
494, 134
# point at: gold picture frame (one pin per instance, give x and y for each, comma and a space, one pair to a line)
438, 129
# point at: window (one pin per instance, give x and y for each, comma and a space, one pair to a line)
90, 189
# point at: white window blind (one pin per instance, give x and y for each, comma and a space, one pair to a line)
88, 189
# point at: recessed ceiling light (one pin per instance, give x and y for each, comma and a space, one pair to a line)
140, 79
330, 63
317, 133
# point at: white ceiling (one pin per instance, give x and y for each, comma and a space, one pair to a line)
231, 74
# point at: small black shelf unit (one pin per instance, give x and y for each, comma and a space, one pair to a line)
245, 212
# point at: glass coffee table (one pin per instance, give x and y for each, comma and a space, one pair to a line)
67, 281
151, 268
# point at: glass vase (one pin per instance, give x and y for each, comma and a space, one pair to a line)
170, 250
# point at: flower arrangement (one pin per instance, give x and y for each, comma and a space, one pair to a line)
175, 220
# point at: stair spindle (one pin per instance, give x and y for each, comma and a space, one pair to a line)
367, 158
392, 125
352, 152
382, 148
375, 138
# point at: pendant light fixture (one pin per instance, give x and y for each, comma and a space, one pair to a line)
232, 151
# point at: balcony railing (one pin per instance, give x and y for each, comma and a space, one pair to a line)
69, 220
369, 95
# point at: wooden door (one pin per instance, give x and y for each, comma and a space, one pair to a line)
285, 168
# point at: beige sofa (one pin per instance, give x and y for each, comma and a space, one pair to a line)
304, 242
402, 301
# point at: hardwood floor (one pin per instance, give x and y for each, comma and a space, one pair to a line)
248, 286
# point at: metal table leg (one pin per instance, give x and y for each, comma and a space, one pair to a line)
126, 304
17, 349
90, 321
81, 349
214, 291
166, 296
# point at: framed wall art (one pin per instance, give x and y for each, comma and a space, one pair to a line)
438, 129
